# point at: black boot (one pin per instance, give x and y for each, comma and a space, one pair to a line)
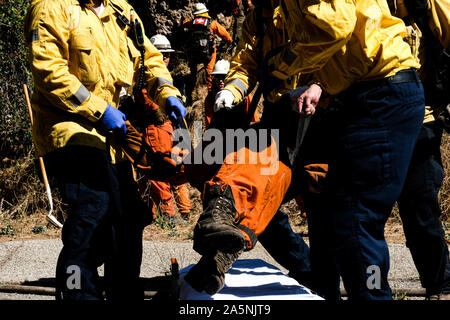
216, 228
209, 273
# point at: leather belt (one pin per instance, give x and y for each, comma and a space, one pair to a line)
408, 75
403, 76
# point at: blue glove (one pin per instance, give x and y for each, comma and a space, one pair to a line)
113, 120
176, 109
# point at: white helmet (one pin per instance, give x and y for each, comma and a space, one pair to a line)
161, 43
221, 67
200, 8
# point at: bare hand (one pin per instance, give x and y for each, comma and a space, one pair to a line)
309, 99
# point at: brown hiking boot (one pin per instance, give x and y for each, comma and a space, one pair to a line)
216, 227
209, 273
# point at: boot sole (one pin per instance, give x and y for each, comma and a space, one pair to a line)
225, 241
202, 280
214, 285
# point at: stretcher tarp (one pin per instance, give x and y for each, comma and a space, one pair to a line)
251, 279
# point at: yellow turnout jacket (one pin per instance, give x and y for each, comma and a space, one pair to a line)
342, 42
80, 62
241, 78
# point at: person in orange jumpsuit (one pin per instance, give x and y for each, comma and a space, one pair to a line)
161, 192
201, 46
239, 9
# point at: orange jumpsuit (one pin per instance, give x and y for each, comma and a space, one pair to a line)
258, 189
162, 198
209, 104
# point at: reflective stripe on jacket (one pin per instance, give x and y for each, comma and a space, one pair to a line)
79, 63
342, 41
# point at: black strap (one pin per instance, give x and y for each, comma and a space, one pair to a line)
260, 31
119, 11
251, 235
116, 7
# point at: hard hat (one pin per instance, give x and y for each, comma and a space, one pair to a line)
221, 67
200, 8
161, 43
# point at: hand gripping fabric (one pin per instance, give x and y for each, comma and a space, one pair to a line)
151, 152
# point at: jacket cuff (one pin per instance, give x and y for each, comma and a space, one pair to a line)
238, 96
164, 94
93, 108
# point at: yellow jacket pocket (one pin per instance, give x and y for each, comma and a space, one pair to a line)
84, 63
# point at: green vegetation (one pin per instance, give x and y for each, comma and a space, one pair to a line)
15, 133
7, 231
21, 192
39, 229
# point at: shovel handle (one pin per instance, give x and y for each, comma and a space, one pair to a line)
30, 112
27, 98
44, 173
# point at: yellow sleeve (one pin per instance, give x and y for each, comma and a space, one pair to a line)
47, 33
159, 81
317, 29
439, 20
241, 78
157, 76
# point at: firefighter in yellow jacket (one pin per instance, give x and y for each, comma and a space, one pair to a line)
82, 53
262, 32
239, 200
355, 51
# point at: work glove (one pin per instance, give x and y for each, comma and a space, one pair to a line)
176, 109
113, 120
224, 99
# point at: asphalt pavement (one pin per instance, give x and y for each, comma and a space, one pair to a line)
33, 262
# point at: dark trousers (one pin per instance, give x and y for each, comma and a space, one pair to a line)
287, 248
420, 211
375, 133
104, 225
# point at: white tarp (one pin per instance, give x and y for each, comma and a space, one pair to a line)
251, 279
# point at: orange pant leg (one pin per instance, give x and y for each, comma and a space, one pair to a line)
181, 196
162, 197
210, 67
258, 189
209, 108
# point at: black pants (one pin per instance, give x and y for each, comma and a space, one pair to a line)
371, 148
420, 211
287, 248
104, 225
